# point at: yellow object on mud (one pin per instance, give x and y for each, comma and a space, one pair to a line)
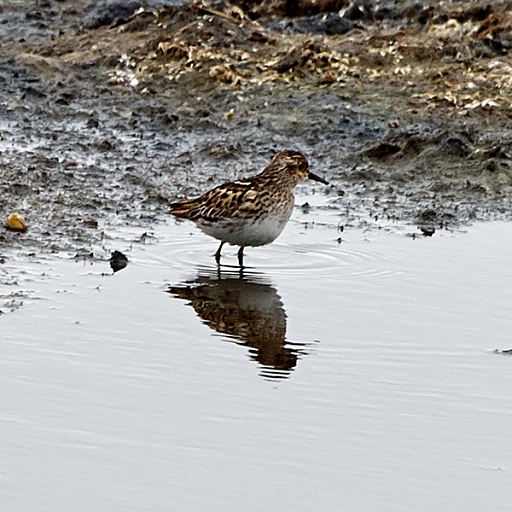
16, 222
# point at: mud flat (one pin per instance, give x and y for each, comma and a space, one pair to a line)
111, 108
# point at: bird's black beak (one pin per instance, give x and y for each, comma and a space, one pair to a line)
312, 176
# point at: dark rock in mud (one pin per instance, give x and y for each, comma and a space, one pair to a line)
427, 231
455, 146
305, 207
430, 220
358, 12
118, 261
383, 150
110, 11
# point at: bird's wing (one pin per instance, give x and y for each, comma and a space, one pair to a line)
229, 200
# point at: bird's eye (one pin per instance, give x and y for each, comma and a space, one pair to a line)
303, 165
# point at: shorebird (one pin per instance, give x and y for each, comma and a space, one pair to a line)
249, 212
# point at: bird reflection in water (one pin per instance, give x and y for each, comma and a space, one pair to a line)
249, 311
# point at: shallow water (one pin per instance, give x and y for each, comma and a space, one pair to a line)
353, 375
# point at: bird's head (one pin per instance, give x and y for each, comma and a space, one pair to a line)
293, 165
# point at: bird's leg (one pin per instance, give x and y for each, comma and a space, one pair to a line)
241, 256
217, 254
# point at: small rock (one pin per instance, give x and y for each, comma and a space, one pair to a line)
118, 261
427, 230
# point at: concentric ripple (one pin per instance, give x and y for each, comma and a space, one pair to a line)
298, 252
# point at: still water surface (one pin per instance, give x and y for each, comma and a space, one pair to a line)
330, 376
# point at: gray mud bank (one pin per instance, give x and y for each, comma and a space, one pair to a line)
107, 112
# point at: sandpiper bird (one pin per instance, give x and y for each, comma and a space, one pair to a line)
249, 212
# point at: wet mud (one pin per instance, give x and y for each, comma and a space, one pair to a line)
111, 109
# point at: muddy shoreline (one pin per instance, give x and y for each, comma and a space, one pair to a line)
103, 122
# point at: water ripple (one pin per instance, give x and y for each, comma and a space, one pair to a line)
319, 255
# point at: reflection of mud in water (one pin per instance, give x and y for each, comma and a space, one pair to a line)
249, 311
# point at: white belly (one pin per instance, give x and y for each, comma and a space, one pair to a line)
247, 233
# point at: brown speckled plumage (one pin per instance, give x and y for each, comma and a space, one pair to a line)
249, 212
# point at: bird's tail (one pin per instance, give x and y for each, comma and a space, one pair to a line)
185, 209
